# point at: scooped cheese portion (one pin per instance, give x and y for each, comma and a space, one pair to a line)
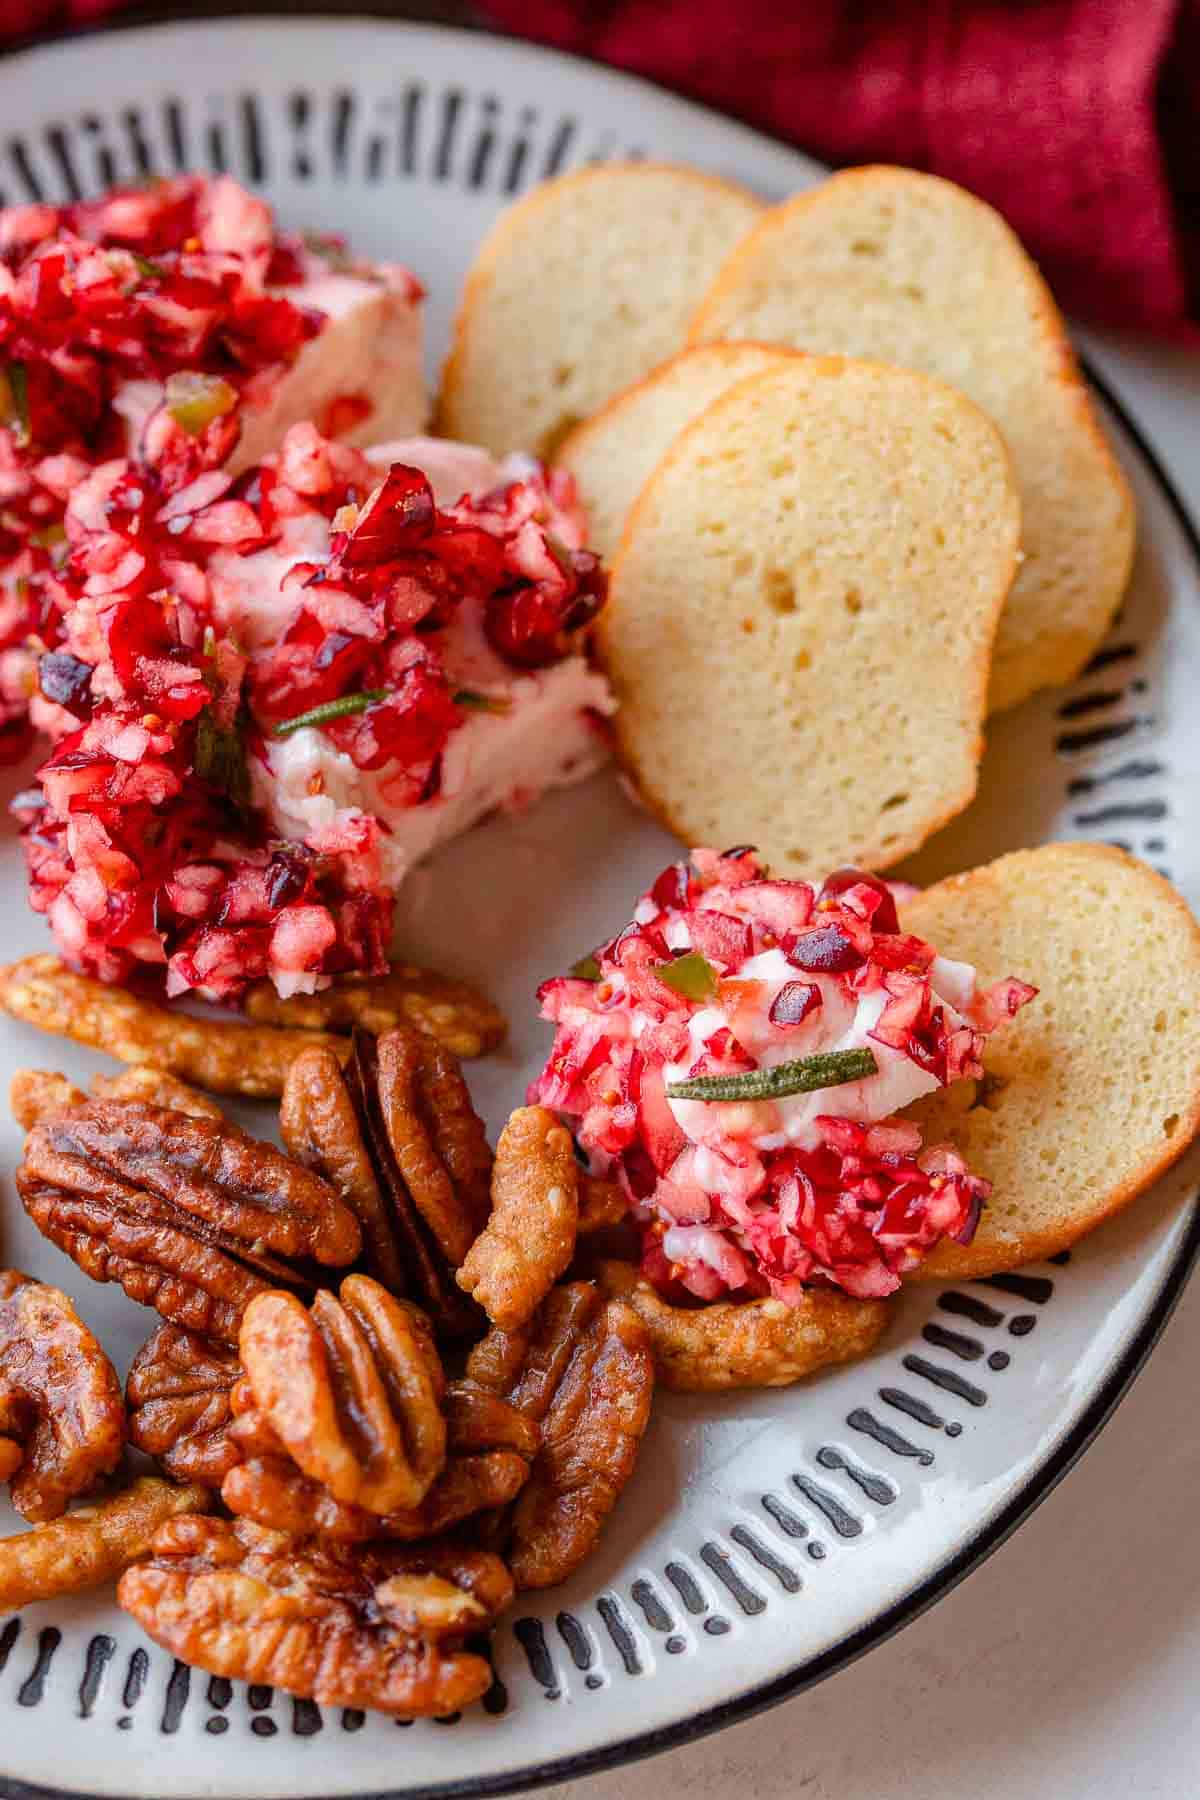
843, 1021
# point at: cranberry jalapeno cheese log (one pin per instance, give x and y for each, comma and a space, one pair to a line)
270, 687
272, 694
736, 1058
175, 326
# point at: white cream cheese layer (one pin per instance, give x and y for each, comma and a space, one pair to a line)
842, 1022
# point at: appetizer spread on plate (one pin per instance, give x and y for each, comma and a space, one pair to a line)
778, 529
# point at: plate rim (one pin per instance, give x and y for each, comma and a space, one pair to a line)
978, 1547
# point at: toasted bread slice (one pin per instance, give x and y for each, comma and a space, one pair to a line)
582, 287
1093, 1090
802, 610
907, 268
613, 454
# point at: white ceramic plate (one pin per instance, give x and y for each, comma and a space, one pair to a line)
767, 1538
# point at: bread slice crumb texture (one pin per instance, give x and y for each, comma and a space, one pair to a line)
910, 269
802, 610
615, 452
578, 290
1093, 1090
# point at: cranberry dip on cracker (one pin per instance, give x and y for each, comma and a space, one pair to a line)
737, 1057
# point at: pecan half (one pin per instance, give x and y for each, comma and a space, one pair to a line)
746, 1343
91, 1545
62, 1419
353, 1389
189, 1215
397, 1136
530, 1237
37, 1094
601, 1205
585, 1373
221, 1055
457, 1015
382, 1627
490, 1446
177, 1396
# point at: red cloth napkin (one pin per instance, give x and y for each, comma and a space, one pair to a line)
1078, 119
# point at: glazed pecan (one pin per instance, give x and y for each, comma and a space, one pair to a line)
746, 1343
382, 1626
601, 1205
584, 1372
397, 1136
221, 1055
530, 1236
62, 1420
91, 1545
353, 1389
490, 1446
189, 1215
37, 1094
177, 1396
458, 1016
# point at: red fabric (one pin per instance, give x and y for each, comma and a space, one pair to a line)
1078, 119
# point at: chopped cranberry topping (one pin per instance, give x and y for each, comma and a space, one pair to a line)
793, 1003
884, 917
828, 950
753, 1195
148, 849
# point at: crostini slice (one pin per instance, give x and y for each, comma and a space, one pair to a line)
802, 610
1093, 1090
908, 268
583, 286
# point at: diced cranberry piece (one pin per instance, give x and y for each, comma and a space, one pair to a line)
827, 950
719, 936
673, 888
660, 1133
399, 517
885, 917
781, 907
794, 1002
65, 680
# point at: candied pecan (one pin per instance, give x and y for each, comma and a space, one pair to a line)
221, 1055
156, 1087
491, 1445
37, 1094
530, 1237
189, 1215
746, 1343
457, 1015
61, 1410
91, 1545
177, 1395
395, 1133
437, 1138
321, 1128
383, 1626
585, 1373
353, 1389
601, 1204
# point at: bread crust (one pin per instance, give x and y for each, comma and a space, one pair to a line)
1024, 1241
1023, 667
